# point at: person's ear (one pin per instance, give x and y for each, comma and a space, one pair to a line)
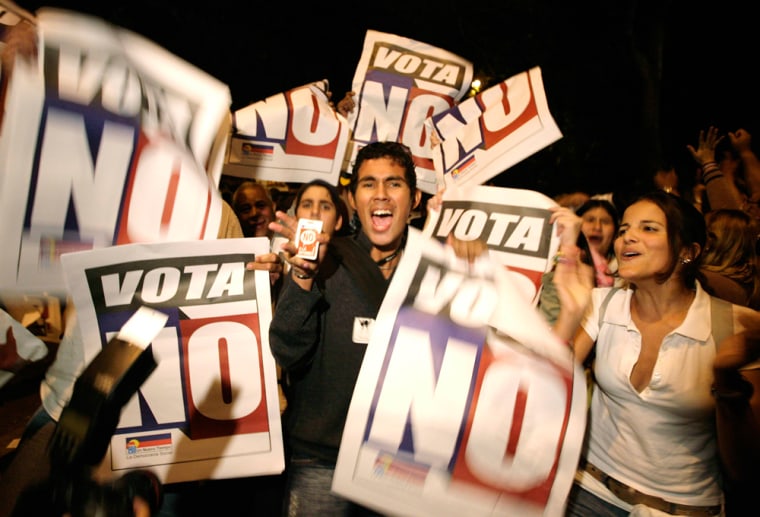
339, 223
416, 198
690, 253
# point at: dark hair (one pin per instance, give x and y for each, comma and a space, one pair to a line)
685, 227
599, 203
607, 207
396, 152
731, 248
340, 206
250, 184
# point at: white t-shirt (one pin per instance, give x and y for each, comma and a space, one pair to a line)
57, 386
661, 441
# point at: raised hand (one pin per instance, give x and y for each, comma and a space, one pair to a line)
303, 269
705, 150
267, 262
741, 140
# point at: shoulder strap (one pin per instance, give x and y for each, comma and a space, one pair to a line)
721, 319
721, 316
605, 303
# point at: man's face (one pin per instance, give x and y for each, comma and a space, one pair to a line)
255, 211
383, 202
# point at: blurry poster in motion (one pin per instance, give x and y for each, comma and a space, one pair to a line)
211, 407
399, 83
514, 224
293, 136
107, 139
486, 134
466, 402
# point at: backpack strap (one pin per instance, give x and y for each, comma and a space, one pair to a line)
605, 303
721, 319
721, 316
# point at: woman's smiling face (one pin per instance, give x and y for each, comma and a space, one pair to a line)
642, 246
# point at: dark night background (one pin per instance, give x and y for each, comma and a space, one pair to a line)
629, 82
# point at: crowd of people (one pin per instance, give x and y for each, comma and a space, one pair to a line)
672, 423
672, 426
674, 408
672, 417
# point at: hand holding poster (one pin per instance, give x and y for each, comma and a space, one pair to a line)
514, 224
294, 136
18, 347
400, 82
211, 408
106, 140
486, 134
466, 403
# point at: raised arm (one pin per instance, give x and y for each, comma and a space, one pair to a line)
741, 141
303, 270
574, 281
721, 191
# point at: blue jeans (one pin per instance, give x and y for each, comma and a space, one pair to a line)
582, 503
307, 492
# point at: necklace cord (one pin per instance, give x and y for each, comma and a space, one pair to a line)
390, 257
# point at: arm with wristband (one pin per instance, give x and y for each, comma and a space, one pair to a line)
721, 191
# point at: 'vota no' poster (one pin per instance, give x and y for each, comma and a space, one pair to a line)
211, 408
105, 141
466, 403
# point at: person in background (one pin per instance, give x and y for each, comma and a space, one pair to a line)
598, 220
666, 178
351, 222
730, 263
572, 200
741, 142
651, 445
323, 319
320, 200
599, 224
254, 208
316, 199
731, 176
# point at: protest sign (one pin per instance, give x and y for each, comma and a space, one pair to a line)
514, 224
211, 408
486, 134
399, 83
466, 402
293, 136
113, 141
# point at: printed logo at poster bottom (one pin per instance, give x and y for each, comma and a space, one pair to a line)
149, 445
